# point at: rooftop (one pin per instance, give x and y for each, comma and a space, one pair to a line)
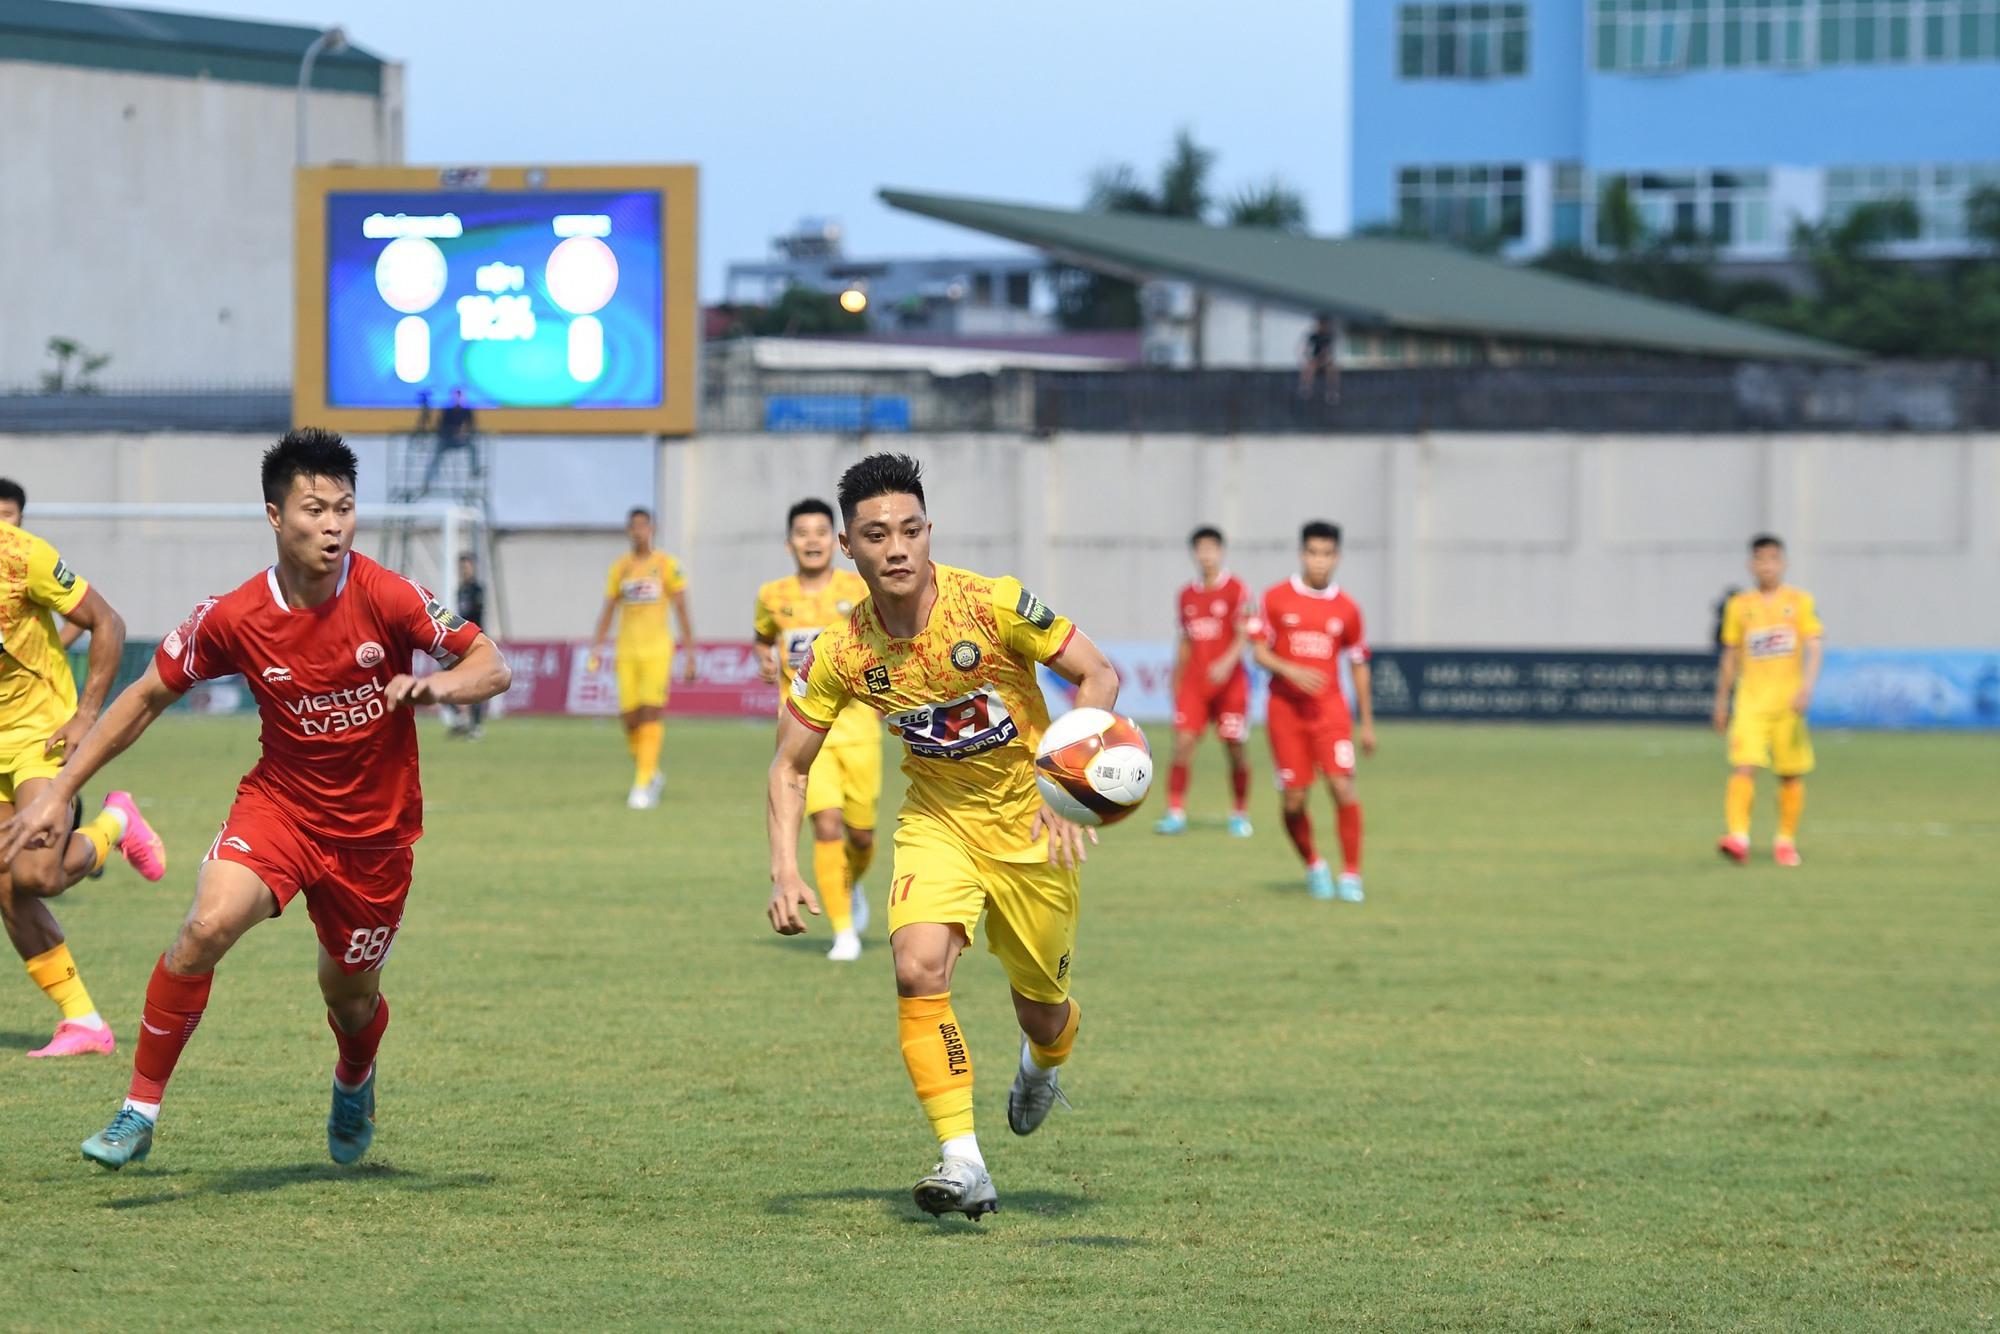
176, 45
1409, 285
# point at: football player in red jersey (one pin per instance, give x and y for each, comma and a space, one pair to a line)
1211, 681
326, 640
1308, 625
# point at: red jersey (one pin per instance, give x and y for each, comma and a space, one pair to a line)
1314, 627
1210, 618
337, 760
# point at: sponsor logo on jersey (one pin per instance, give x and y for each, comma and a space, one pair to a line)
340, 710
64, 575
1035, 611
876, 679
965, 655
972, 724
369, 654
277, 673
798, 647
234, 842
445, 618
1772, 641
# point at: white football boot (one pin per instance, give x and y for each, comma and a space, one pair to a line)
958, 1186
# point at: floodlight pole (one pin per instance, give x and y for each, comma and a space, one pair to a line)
333, 41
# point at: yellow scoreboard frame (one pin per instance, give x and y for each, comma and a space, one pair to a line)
680, 336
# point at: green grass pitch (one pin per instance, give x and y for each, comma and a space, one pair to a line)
1565, 1069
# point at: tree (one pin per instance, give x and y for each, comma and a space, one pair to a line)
801, 310
1271, 204
75, 365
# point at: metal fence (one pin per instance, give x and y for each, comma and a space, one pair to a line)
1666, 398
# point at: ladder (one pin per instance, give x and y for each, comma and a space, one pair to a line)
426, 469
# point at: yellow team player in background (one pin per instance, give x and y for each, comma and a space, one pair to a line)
1772, 644
846, 780
949, 658
640, 585
41, 720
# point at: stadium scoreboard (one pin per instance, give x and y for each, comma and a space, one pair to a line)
556, 300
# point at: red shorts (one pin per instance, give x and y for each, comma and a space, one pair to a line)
1309, 739
354, 895
1227, 706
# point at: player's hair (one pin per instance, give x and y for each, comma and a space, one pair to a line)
1762, 540
1208, 531
1320, 529
636, 511
306, 451
809, 506
14, 491
879, 475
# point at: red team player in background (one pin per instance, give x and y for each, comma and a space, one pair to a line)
1306, 627
325, 639
1211, 681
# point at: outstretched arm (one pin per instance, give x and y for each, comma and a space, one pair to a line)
135, 709
798, 747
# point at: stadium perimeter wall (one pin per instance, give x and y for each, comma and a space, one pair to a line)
1546, 541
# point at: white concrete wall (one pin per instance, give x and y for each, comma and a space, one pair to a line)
151, 217
1560, 541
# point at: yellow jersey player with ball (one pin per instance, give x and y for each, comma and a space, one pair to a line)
846, 779
1772, 644
949, 658
637, 591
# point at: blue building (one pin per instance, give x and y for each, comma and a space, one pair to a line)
1726, 119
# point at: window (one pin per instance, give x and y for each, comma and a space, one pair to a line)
1470, 203
1462, 41
1666, 35
1570, 201
1939, 190
1727, 208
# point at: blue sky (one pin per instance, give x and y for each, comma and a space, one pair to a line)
797, 109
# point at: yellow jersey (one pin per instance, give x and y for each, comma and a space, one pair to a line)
642, 586
962, 697
37, 692
790, 619
1771, 630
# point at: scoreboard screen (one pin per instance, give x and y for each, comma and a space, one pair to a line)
548, 301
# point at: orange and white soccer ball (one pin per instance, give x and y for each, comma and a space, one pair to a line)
1093, 766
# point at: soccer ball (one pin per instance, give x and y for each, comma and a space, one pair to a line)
1093, 767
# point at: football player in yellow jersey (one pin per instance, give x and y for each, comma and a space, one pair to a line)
948, 657
41, 720
1772, 643
846, 779
636, 591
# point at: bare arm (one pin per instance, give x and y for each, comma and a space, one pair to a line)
785, 807
135, 710
107, 646
1305, 678
480, 675
1815, 657
1083, 665
1364, 702
686, 623
1225, 666
1725, 681
1182, 650
71, 632
603, 630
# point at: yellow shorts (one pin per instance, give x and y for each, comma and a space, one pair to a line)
1031, 907
27, 764
642, 680
847, 778
1773, 739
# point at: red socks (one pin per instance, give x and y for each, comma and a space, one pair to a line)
357, 1050
174, 1002
1300, 828
1177, 786
1350, 838
1239, 788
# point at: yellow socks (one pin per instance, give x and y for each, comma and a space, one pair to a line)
55, 973
103, 833
646, 741
1791, 805
858, 858
940, 1063
1053, 1055
1736, 806
830, 863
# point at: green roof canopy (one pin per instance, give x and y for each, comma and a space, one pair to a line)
151, 41
1410, 285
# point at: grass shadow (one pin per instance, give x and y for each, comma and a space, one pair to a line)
27, 1042
898, 1205
261, 1180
